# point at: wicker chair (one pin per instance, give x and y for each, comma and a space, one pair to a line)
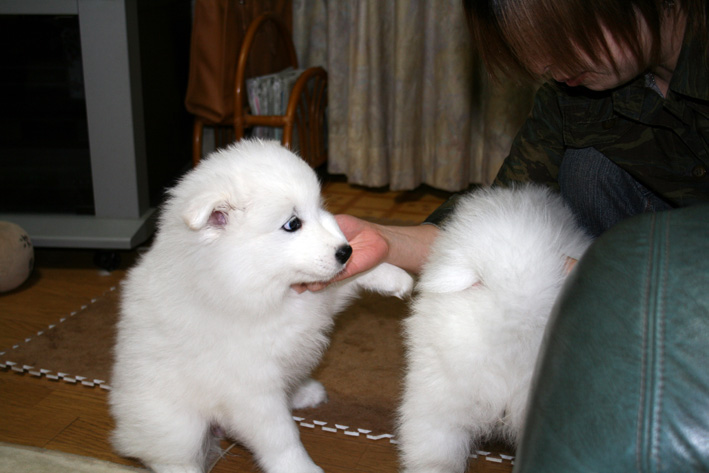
304, 115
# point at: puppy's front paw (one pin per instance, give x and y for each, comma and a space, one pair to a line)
388, 279
309, 394
402, 283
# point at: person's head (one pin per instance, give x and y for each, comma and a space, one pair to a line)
600, 44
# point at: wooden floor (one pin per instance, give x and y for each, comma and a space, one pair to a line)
74, 418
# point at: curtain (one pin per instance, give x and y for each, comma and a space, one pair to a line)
408, 103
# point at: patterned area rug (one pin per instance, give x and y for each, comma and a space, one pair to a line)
361, 370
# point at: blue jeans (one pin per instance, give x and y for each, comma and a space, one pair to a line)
600, 193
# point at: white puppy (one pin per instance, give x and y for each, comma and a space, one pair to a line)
211, 332
477, 322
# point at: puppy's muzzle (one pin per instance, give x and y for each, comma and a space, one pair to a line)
343, 253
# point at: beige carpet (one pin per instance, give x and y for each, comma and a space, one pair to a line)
19, 459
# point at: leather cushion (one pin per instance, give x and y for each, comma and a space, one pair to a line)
622, 381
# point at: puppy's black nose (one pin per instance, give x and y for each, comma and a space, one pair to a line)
343, 253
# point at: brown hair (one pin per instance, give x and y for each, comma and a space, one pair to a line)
512, 36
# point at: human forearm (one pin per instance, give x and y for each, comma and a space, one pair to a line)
408, 246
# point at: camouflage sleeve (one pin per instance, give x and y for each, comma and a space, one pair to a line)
535, 154
538, 148
441, 214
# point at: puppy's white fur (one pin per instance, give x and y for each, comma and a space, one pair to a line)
211, 332
477, 322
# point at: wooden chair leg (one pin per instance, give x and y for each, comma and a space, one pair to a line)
197, 134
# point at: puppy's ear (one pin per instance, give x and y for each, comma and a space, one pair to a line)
207, 211
446, 279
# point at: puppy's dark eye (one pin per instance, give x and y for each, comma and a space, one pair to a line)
293, 224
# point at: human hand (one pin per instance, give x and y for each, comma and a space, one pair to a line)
569, 264
369, 248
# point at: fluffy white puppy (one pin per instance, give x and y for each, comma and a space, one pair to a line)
211, 332
477, 321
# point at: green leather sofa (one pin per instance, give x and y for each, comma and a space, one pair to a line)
622, 381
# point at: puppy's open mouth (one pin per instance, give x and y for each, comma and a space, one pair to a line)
317, 285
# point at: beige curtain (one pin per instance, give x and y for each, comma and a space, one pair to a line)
408, 104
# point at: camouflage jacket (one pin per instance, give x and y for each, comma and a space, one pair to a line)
662, 142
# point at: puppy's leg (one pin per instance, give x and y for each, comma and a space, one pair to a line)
516, 409
266, 427
433, 435
386, 279
440, 425
452, 396
167, 441
430, 445
310, 393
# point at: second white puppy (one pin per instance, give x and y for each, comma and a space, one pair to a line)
211, 332
477, 322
